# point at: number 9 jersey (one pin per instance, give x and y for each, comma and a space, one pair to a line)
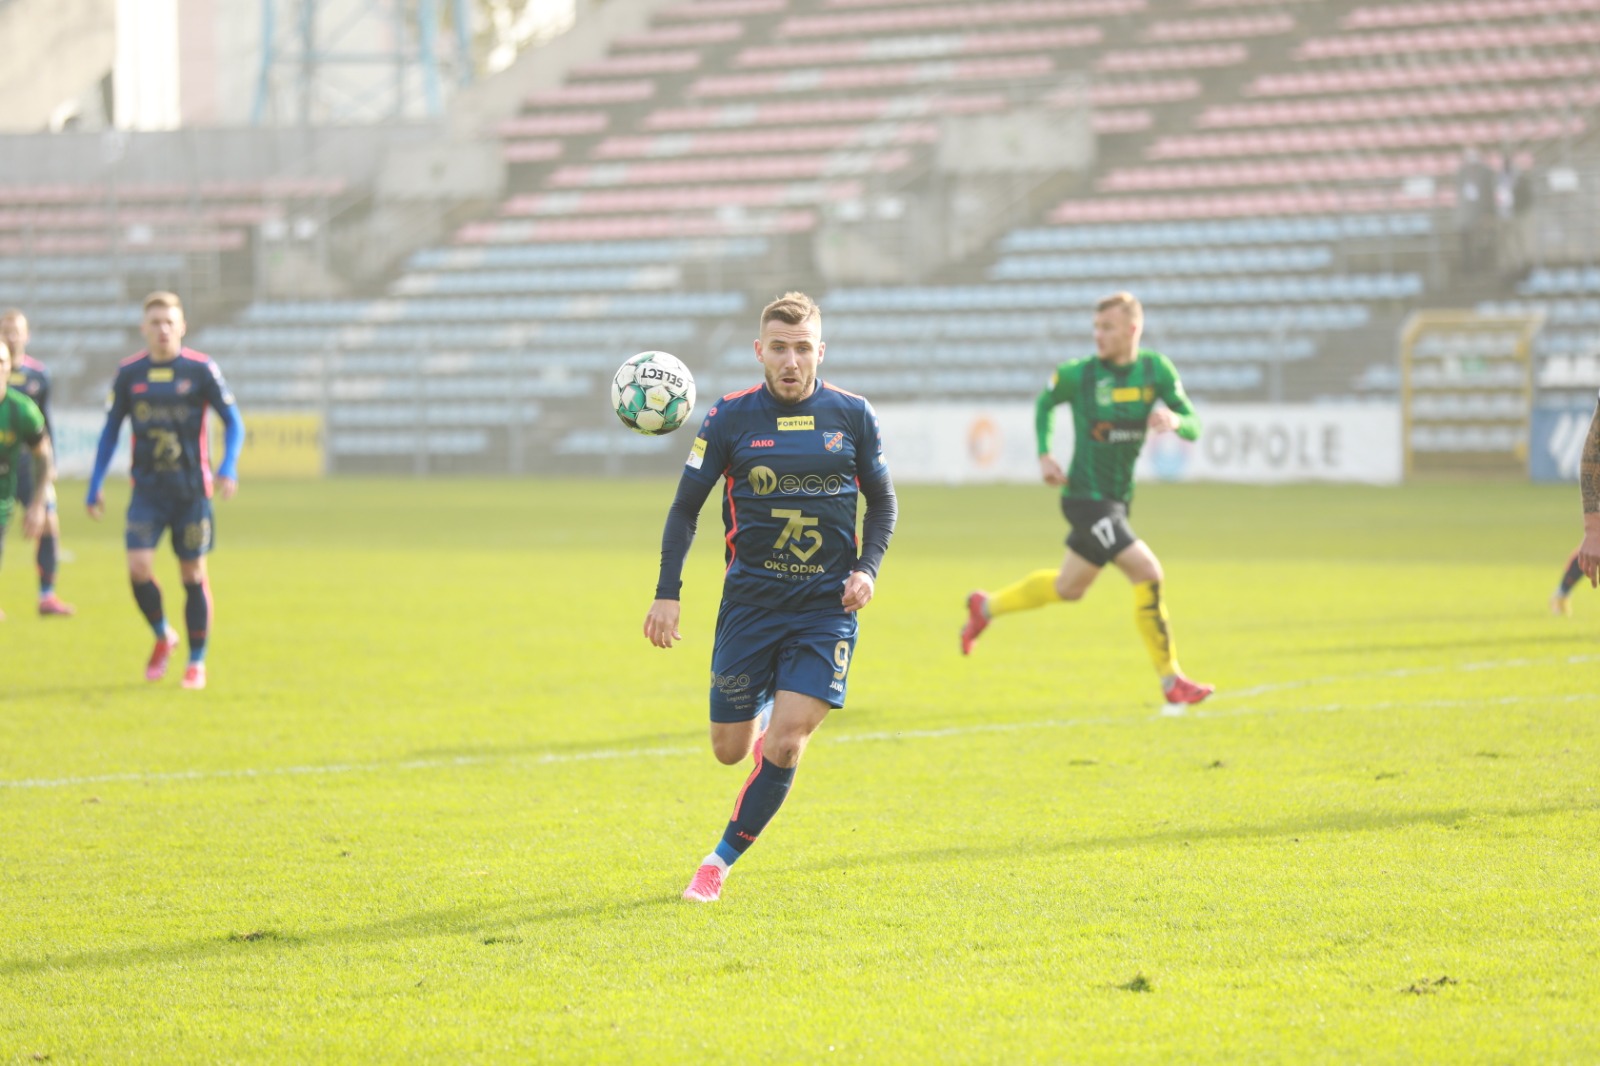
792, 483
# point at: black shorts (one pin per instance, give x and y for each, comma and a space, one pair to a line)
1100, 530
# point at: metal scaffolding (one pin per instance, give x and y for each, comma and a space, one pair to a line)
338, 62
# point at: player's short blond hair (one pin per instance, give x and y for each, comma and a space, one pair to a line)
12, 312
794, 308
1126, 300
163, 299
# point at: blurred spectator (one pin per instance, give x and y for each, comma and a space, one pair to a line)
1475, 217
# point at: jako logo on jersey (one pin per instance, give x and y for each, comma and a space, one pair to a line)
833, 441
764, 442
1117, 432
792, 422
764, 482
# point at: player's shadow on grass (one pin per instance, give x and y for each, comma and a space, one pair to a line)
485, 923
1354, 822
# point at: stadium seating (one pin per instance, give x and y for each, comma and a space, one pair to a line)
1275, 179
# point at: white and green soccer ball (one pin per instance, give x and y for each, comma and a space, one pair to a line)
653, 393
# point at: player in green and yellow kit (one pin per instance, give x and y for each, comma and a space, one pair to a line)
1112, 396
22, 440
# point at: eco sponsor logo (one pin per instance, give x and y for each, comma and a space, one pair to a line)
763, 482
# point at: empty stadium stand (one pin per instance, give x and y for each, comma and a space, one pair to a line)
1279, 180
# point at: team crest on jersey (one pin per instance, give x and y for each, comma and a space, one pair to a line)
833, 441
184, 386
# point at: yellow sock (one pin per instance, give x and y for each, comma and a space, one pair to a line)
1035, 590
1150, 617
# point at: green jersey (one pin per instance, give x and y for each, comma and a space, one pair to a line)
1110, 408
21, 427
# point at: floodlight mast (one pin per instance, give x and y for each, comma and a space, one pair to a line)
341, 62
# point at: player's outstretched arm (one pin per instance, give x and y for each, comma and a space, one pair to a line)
44, 473
1589, 484
115, 413
661, 622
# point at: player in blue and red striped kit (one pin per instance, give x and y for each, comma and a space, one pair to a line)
168, 391
796, 457
29, 377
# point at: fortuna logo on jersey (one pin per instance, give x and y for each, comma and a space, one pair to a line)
1117, 432
764, 482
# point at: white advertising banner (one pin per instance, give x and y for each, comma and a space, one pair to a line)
958, 443
1254, 443
75, 435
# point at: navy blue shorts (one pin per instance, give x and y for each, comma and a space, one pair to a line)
150, 515
760, 650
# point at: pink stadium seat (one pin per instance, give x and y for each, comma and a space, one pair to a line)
1457, 72
532, 151
1238, 205
729, 169
858, 109
1388, 16
690, 33
590, 93
722, 9
952, 16
931, 47
764, 139
1181, 57
1364, 138
1485, 100
634, 227
1133, 120
1279, 172
1228, 28
862, 77
1451, 39
555, 124
632, 64
686, 198
99, 244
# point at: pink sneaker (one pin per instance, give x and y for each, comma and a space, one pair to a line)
53, 604
707, 884
156, 668
977, 621
195, 676
1182, 690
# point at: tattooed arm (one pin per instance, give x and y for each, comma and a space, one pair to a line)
1589, 482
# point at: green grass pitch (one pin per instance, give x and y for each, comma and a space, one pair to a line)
441, 797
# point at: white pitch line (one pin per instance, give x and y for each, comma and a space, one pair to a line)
1416, 671
552, 758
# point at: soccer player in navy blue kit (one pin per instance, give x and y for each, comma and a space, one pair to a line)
167, 390
795, 456
29, 377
